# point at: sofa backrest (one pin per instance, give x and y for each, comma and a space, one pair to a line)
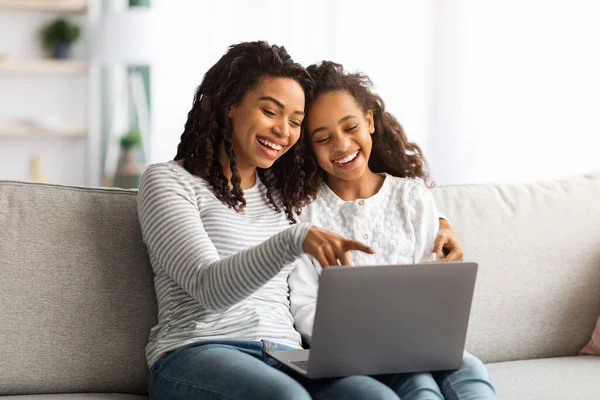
77, 298
76, 291
538, 247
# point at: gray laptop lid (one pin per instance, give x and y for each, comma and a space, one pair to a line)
383, 319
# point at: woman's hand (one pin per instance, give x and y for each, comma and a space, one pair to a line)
447, 239
328, 248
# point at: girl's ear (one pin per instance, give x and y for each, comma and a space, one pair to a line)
370, 122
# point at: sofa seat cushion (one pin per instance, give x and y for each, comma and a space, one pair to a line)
573, 378
79, 396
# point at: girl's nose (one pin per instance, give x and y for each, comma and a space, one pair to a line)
341, 143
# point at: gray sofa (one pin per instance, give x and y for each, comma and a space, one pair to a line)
77, 299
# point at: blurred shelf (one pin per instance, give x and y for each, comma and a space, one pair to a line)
27, 131
72, 6
43, 66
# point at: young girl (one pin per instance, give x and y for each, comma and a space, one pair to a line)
371, 186
220, 247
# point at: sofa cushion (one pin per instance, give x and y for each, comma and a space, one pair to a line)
77, 298
572, 378
79, 396
538, 246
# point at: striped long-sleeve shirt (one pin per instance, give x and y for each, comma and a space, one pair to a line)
218, 274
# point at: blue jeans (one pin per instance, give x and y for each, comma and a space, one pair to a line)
242, 370
470, 382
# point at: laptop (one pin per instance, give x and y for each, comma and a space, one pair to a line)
375, 320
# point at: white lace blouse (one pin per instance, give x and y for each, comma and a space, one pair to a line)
400, 223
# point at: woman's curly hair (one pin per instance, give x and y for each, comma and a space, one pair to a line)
208, 126
391, 153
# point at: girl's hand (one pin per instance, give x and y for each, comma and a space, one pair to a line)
328, 248
447, 239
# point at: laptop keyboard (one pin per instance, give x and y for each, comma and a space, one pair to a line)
301, 364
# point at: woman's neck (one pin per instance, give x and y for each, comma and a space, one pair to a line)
363, 188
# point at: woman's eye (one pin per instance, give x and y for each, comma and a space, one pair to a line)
268, 112
323, 140
352, 128
296, 124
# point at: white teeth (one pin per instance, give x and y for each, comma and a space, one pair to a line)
274, 146
348, 158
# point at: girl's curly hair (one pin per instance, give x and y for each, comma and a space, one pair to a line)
208, 126
392, 152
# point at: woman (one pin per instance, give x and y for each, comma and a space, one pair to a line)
220, 245
370, 185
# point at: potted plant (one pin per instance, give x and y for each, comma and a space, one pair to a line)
58, 36
131, 164
130, 139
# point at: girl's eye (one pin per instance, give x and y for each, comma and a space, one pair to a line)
296, 124
323, 140
352, 128
268, 112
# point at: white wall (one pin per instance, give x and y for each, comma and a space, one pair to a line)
517, 90
59, 98
493, 91
389, 42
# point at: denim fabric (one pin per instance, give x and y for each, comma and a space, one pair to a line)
243, 370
